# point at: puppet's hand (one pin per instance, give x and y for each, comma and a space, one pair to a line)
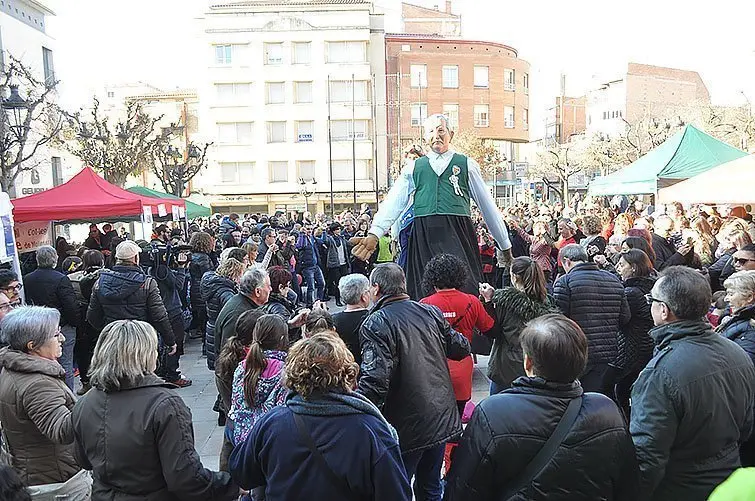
364, 246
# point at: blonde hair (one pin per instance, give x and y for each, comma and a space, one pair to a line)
320, 363
231, 268
743, 281
126, 351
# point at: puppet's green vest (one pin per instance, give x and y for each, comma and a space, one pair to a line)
438, 195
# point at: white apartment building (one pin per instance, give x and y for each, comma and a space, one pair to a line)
23, 35
276, 71
607, 108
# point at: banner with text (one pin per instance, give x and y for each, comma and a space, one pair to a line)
31, 236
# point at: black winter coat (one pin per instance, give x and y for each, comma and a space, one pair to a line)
595, 300
404, 371
665, 253
740, 328
126, 293
595, 461
200, 264
279, 305
48, 287
635, 344
139, 444
215, 291
692, 405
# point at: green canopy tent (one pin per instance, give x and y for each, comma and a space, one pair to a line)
192, 210
686, 154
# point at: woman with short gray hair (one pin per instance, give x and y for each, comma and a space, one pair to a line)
133, 431
355, 292
35, 403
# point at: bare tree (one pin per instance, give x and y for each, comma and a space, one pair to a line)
482, 151
36, 121
127, 148
175, 168
556, 165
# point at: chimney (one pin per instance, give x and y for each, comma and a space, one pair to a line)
448, 6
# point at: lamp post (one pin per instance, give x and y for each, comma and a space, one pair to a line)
179, 165
15, 109
306, 191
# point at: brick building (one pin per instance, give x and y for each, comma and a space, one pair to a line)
565, 119
482, 86
426, 21
643, 91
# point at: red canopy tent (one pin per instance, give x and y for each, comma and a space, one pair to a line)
87, 197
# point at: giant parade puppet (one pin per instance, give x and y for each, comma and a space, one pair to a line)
437, 190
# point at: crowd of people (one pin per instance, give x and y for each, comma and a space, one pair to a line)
621, 341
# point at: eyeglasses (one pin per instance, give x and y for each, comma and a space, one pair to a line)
650, 299
742, 260
16, 287
59, 335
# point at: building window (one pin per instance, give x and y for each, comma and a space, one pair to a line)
419, 114
526, 118
347, 170
305, 131
452, 112
341, 91
302, 92
418, 74
110, 94
276, 92
526, 83
273, 53
234, 172
480, 76
48, 66
509, 80
57, 171
451, 77
223, 54
481, 115
508, 117
235, 133
346, 52
306, 169
279, 172
232, 93
341, 130
276, 132
302, 52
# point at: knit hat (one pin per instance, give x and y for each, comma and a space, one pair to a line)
126, 250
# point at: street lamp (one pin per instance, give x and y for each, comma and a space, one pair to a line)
15, 106
307, 192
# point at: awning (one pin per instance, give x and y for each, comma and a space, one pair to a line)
192, 210
687, 153
729, 183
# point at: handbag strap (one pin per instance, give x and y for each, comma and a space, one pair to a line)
336, 479
546, 453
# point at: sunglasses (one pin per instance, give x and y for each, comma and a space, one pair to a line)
650, 299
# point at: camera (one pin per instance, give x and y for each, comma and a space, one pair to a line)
156, 255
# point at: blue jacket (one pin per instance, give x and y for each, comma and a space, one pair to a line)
357, 447
309, 250
692, 406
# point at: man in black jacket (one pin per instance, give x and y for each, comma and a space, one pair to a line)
46, 286
595, 460
594, 299
126, 293
404, 372
666, 252
692, 404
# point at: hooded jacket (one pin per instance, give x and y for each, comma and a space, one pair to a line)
692, 406
139, 444
35, 409
404, 372
216, 291
740, 328
511, 309
126, 293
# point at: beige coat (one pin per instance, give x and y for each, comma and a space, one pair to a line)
35, 412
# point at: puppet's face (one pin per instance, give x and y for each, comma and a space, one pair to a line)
439, 137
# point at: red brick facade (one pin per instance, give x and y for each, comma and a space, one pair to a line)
403, 51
